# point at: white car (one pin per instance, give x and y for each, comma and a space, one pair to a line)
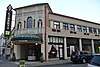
95, 62
89, 65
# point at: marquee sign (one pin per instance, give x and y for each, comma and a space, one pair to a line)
8, 20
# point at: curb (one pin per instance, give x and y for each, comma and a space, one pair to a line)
46, 64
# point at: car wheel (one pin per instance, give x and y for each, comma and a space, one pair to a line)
83, 60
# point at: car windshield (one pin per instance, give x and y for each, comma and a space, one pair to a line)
96, 60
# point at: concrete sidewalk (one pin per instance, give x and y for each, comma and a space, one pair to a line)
5, 63
46, 63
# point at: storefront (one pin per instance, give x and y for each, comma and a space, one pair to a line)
55, 47
27, 46
97, 46
72, 44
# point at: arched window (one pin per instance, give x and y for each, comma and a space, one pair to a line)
19, 25
40, 23
29, 22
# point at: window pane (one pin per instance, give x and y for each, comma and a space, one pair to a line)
40, 23
57, 25
90, 30
19, 25
84, 29
98, 31
65, 26
95, 30
51, 39
72, 27
29, 22
79, 28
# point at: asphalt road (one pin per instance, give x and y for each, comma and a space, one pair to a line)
68, 65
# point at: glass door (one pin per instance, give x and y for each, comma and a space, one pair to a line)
61, 51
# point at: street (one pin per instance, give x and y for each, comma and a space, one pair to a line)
6, 63
68, 65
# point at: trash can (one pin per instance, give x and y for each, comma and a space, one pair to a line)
22, 63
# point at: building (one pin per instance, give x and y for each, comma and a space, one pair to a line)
39, 30
2, 43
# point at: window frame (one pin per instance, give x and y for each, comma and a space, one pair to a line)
98, 31
40, 23
90, 30
79, 28
56, 25
94, 30
29, 22
65, 26
84, 29
19, 25
72, 27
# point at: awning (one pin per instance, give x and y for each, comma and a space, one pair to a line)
29, 37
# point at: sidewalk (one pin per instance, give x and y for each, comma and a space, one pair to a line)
6, 63
47, 63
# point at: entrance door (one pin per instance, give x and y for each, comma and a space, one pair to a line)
38, 51
35, 51
61, 51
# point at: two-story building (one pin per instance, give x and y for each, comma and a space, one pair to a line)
39, 30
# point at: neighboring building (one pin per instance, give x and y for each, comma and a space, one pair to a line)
2, 43
39, 30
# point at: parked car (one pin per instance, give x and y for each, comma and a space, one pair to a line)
81, 56
95, 62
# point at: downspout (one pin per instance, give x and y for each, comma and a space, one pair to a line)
45, 37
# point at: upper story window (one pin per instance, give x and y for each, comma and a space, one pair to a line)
79, 28
40, 23
90, 30
56, 25
98, 31
65, 26
19, 25
95, 30
84, 29
72, 27
29, 22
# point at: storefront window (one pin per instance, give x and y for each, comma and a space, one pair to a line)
31, 50
53, 52
55, 40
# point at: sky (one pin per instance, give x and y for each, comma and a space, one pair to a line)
82, 9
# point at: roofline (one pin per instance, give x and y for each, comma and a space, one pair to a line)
35, 5
74, 18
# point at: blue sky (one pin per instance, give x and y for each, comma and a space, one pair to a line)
83, 9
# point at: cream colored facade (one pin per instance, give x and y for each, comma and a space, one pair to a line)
56, 39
